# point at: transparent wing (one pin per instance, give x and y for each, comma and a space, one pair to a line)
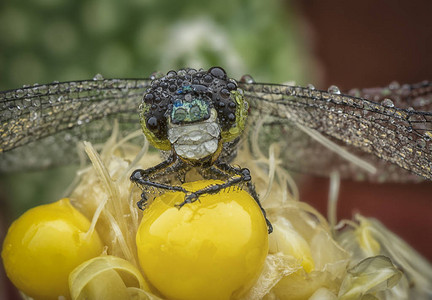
392, 130
49, 119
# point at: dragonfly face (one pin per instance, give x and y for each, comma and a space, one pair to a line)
193, 113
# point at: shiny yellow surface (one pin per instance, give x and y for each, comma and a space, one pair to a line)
44, 245
211, 249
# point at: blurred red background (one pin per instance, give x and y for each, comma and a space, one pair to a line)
364, 44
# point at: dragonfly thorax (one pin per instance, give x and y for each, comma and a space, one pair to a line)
196, 141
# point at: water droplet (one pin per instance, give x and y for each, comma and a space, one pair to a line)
428, 135
247, 79
43, 89
155, 75
181, 73
387, 102
311, 86
98, 76
333, 90
421, 143
191, 71
338, 99
34, 115
394, 85
19, 93
289, 90
171, 74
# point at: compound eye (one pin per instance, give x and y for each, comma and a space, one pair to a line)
180, 114
152, 124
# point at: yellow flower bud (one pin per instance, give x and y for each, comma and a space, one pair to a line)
44, 245
213, 248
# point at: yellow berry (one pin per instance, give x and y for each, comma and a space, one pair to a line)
44, 245
214, 248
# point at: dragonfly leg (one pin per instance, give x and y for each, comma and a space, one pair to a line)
235, 176
144, 178
142, 204
211, 189
247, 178
252, 191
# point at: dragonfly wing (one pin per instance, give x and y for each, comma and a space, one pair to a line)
378, 132
41, 125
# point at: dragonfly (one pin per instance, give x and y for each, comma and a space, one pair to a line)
198, 117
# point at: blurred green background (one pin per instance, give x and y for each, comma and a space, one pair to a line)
46, 40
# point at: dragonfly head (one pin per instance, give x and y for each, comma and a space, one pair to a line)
192, 99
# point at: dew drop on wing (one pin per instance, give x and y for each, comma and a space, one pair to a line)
421, 143
247, 79
394, 85
34, 115
311, 87
333, 90
98, 76
387, 103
